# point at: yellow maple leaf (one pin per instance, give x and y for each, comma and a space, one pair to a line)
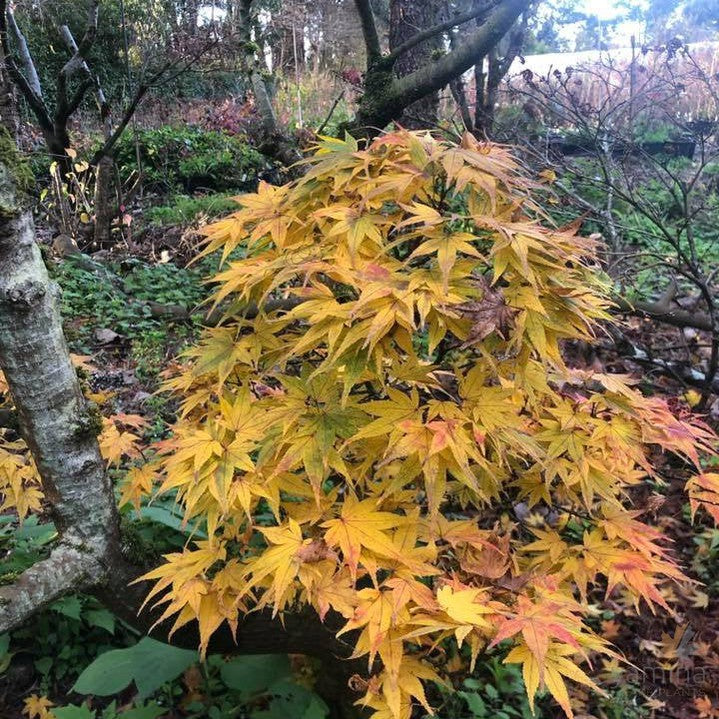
38, 707
361, 528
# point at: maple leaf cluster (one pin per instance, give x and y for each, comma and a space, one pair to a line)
385, 392
388, 386
20, 483
20, 489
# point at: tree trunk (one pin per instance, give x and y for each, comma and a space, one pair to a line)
103, 201
191, 17
274, 143
57, 140
489, 94
408, 17
459, 91
488, 83
8, 107
52, 412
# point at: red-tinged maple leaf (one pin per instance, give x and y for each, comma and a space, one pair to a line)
538, 624
703, 491
491, 561
406, 590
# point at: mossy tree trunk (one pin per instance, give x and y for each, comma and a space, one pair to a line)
8, 107
274, 142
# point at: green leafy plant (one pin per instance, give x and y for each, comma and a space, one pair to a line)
190, 158
498, 694
91, 301
67, 636
705, 561
149, 664
22, 545
184, 209
261, 687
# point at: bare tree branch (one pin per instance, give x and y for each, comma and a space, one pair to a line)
328, 117
681, 371
34, 100
69, 40
662, 312
78, 61
33, 80
66, 108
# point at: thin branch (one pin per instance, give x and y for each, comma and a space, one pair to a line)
78, 61
106, 149
330, 113
69, 107
69, 40
679, 370
159, 78
661, 312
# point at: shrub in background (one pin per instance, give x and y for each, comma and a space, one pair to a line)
190, 158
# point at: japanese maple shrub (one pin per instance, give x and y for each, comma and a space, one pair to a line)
388, 387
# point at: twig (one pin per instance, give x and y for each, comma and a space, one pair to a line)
331, 112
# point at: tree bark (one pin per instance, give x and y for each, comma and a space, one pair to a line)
105, 166
25, 56
190, 17
299, 632
488, 83
8, 108
484, 115
103, 201
274, 142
